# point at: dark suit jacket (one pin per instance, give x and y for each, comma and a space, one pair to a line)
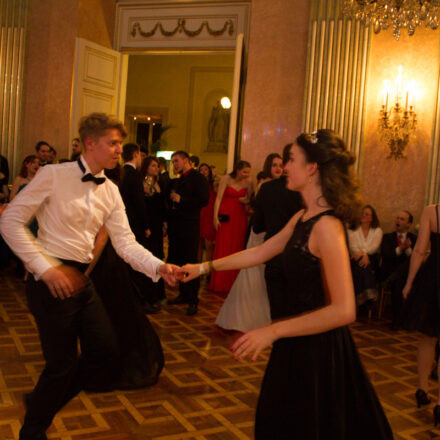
274, 207
164, 180
132, 192
4, 168
390, 261
194, 195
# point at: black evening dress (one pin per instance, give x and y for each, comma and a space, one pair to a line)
421, 310
315, 387
141, 356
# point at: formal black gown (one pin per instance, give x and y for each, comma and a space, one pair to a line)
421, 310
141, 356
315, 387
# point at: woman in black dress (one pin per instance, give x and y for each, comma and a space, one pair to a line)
141, 358
421, 310
155, 203
315, 386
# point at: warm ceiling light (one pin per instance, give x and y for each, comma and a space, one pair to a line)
135, 118
225, 102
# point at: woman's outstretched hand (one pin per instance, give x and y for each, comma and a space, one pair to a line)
406, 290
254, 341
189, 272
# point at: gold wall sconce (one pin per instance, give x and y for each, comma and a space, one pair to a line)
398, 119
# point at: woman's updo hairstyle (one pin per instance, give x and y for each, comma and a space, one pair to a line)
340, 186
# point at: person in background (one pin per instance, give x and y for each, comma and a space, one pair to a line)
164, 175
187, 195
396, 250
76, 149
52, 157
154, 198
247, 305
42, 149
132, 193
421, 310
230, 221
364, 243
29, 168
207, 230
274, 205
194, 161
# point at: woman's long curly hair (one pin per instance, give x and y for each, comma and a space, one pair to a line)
339, 183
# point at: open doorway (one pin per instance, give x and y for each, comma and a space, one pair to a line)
181, 101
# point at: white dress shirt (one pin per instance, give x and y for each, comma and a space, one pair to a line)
408, 250
69, 214
369, 244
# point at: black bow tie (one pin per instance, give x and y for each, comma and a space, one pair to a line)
89, 177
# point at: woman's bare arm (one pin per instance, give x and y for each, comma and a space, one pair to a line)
420, 248
327, 241
100, 242
249, 257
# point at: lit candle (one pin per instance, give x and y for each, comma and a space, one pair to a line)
406, 102
386, 102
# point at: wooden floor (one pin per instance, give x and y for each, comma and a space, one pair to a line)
203, 393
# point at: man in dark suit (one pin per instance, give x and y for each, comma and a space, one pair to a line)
132, 192
164, 176
396, 251
187, 195
274, 207
42, 150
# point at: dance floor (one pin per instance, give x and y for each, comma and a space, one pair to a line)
203, 393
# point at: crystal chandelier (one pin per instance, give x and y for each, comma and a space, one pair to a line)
396, 13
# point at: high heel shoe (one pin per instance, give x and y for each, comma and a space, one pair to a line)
436, 414
422, 398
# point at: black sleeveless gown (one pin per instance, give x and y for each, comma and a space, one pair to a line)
315, 387
141, 357
421, 310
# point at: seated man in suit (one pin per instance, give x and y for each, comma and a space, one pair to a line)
132, 192
396, 251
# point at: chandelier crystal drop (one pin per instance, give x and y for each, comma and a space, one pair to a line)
398, 14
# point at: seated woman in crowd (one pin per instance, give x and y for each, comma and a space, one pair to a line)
29, 168
364, 243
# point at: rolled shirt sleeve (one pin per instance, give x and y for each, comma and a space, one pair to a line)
126, 245
16, 217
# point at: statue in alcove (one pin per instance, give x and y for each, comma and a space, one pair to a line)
218, 129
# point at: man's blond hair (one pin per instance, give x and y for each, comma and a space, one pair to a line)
95, 125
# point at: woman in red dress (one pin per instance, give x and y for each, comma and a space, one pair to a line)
207, 230
230, 221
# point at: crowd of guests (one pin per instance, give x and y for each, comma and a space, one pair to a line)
278, 250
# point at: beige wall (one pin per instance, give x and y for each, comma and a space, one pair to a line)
392, 185
177, 86
97, 21
275, 82
53, 26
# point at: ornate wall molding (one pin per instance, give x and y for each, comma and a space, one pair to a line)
336, 74
181, 27
176, 25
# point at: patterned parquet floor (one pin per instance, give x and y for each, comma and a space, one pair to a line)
203, 393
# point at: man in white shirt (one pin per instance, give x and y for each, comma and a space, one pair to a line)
71, 202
